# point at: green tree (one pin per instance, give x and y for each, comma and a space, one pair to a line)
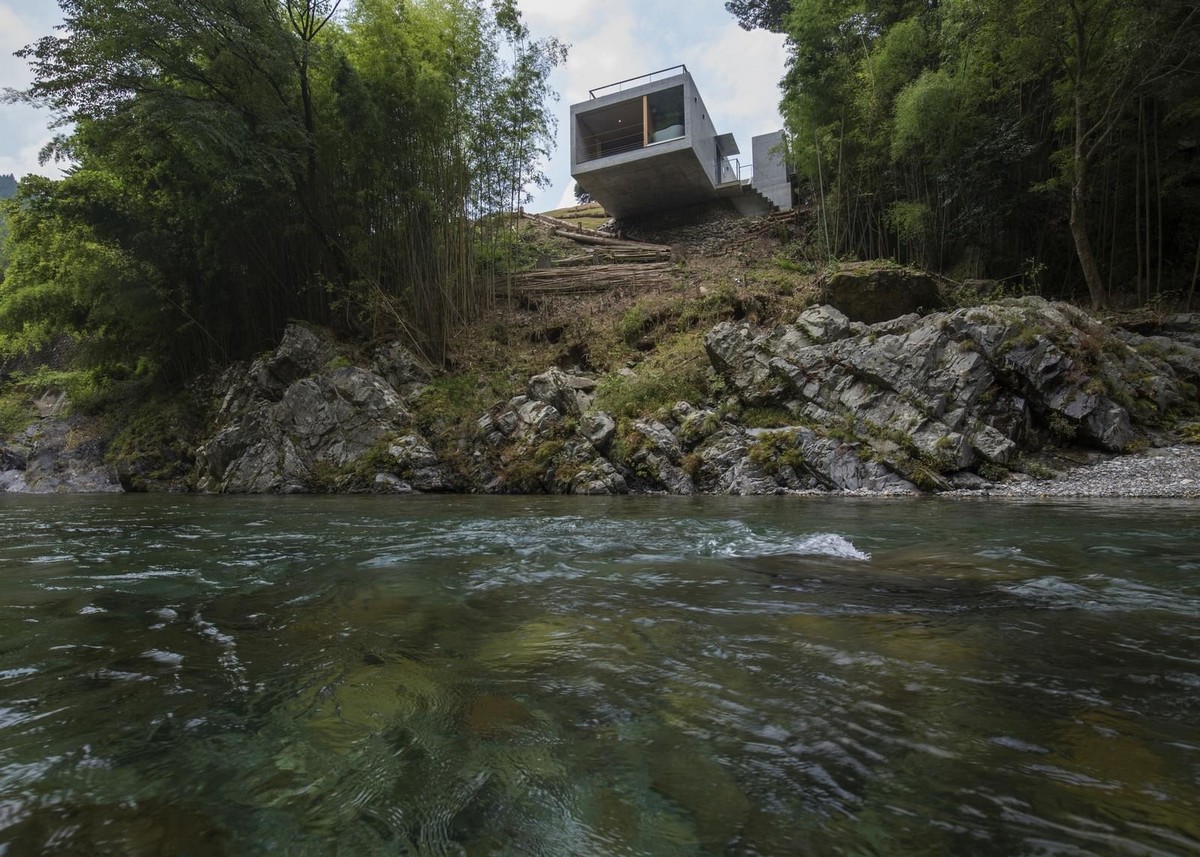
264, 161
985, 137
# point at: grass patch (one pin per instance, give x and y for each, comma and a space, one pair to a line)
16, 412
775, 450
767, 417
678, 370
154, 439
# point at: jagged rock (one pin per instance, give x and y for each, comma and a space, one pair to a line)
536, 417
294, 424
599, 428
400, 368
389, 483
300, 353
726, 467
1175, 351
822, 324
569, 394
871, 293
659, 438
51, 459
580, 469
945, 392
695, 424
414, 460
339, 415
744, 356
657, 468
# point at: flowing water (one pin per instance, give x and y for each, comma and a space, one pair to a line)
549, 676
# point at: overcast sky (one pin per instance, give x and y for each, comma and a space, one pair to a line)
736, 72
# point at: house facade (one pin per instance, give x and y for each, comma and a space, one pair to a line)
649, 143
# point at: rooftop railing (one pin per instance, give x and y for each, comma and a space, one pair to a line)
649, 78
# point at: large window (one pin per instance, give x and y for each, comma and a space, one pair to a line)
665, 111
630, 125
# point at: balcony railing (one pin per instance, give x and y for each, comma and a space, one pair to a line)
647, 78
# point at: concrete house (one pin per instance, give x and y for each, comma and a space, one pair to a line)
649, 143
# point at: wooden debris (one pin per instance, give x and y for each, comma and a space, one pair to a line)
577, 232
597, 278
600, 256
607, 241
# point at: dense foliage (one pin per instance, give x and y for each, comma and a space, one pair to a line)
238, 163
8, 187
1058, 139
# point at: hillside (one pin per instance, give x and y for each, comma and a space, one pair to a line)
723, 362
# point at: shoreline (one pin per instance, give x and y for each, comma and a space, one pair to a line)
1164, 473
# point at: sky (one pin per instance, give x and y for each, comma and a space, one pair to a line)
736, 72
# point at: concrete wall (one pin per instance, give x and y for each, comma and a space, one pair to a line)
771, 174
677, 172
701, 132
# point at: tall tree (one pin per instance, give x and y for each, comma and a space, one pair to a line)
285, 159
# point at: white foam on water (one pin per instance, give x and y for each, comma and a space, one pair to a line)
821, 544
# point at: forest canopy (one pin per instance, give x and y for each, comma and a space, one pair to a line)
234, 164
1056, 139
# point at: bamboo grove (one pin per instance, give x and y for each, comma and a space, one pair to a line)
238, 163
1053, 142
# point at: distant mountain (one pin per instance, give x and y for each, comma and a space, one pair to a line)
8, 186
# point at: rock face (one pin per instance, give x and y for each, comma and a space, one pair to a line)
871, 293
954, 391
907, 404
547, 441
48, 458
295, 421
827, 403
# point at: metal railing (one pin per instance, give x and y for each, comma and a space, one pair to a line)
733, 170
649, 78
628, 138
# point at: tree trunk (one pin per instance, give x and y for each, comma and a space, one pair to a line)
1083, 244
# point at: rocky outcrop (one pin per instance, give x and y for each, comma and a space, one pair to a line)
911, 403
297, 421
948, 400
954, 391
55, 456
547, 441
872, 292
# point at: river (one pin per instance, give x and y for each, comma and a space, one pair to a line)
629, 676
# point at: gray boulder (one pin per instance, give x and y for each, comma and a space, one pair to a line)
870, 292
947, 392
295, 422
50, 458
569, 394
402, 370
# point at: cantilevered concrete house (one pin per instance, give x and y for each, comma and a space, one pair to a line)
649, 143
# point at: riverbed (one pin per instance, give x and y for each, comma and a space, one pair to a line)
608, 676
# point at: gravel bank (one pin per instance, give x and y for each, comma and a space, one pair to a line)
1172, 471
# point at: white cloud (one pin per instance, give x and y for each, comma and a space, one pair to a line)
23, 159
23, 129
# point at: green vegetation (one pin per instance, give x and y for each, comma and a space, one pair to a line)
155, 440
1047, 140
774, 450
678, 370
240, 164
16, 412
